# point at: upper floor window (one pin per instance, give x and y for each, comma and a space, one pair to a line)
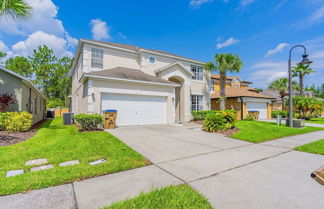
96, 58
235, 83
198, 72
212, 84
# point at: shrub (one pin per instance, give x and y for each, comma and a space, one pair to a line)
16, 121
89, 122
275, 113
221, 120
6, 100
201, 115
250, 117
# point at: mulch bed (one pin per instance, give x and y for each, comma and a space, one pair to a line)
10, 138
225, 133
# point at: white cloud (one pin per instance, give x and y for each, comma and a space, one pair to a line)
226, 43
34, 40
316, 17
266, 72
247, 2
197, 3
100, 30
3, 47
44, 18
279, 48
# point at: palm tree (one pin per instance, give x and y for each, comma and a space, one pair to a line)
224, 63
16, 9
282, 85
301, 70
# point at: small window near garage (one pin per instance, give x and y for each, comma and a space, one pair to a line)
97, 58
196, 102
198, 72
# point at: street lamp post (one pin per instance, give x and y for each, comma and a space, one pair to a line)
305, 61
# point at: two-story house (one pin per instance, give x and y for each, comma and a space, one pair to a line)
145, 86
240, 97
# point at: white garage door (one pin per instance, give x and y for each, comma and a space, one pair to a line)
136, 109
256, 106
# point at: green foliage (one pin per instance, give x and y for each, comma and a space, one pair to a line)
222, 120
300, 71
250, 117
275, 113
307, 107
171, 197
56, 102
59, 143
20, 65
200, 115
51, 73
319, 90
15, 9
16, 121
224, 63
259, 131
89, 122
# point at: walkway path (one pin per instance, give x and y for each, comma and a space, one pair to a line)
230, 173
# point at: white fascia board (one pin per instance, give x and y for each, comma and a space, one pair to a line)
170, 56
128, 80
25, 80
174, 64
254, 99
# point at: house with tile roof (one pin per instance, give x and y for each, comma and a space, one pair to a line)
240, 97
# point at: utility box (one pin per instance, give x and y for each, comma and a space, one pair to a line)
68, 118
110, 117
279, 120
297, 123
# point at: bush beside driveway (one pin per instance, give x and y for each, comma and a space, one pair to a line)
58, 143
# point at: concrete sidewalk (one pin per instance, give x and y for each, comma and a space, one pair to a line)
306, 124
230, 173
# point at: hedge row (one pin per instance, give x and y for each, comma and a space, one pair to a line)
89, 122
275, 113
201, 115
16, 121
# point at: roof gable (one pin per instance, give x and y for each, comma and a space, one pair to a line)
172, 65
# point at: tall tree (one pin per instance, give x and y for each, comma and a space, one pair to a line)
20, 65
300, 71
15, 9
282, 85
224, 63
51, 73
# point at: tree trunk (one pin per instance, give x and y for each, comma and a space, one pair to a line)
222, 98
301, 82
283, 102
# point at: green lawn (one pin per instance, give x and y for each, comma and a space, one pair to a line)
258, 131
175, 197
316, 147
316, 120
59, 143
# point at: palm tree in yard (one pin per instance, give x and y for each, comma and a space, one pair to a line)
282, 85
300, 71
224, 63
15, 9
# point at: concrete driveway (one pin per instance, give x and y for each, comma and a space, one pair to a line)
233, 173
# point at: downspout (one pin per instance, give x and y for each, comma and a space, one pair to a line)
241, 108
29, 105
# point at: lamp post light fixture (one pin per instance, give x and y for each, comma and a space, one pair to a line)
305, 61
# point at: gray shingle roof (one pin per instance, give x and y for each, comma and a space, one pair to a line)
129, 74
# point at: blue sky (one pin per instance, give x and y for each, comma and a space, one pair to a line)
259, 31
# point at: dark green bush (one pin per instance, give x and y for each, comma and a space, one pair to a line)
89, 122
201, 115
275, 113
220, 120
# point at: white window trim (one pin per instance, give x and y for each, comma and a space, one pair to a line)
100, 52
199, 107
202, 72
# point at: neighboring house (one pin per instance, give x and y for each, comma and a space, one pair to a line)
28, 97
145, 86
277, 102
240, 97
